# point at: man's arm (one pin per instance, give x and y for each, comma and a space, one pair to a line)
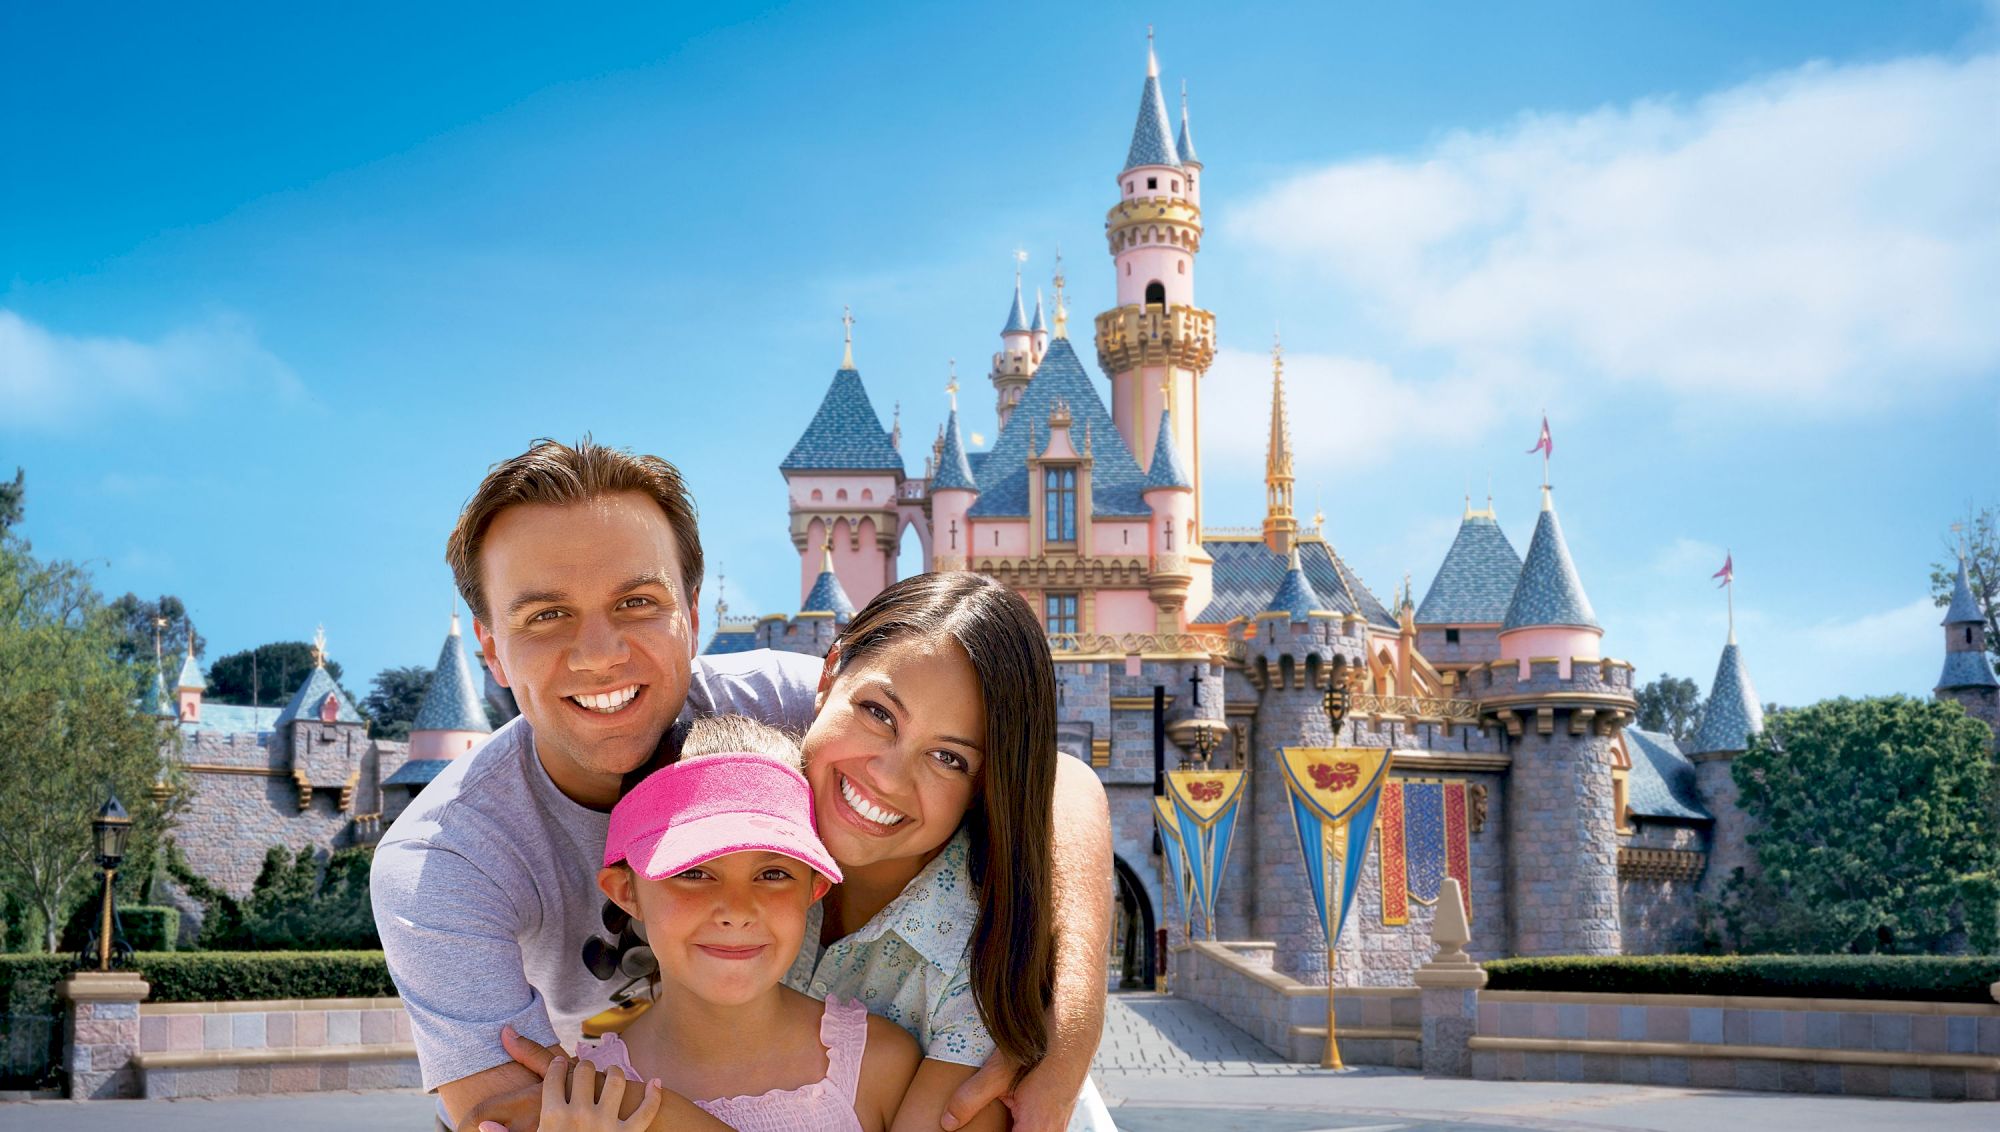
1082, 902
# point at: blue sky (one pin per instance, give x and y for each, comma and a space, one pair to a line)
276, 287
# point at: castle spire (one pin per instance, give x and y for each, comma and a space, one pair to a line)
1732, 713
1153, 133
1062, 312
828, 595
1017, 314
1280, 525
1038, 324
847, 327
1184, 144
1967, 671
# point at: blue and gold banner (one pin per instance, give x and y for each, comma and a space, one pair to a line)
1334, 792
1205, 805
1176, 857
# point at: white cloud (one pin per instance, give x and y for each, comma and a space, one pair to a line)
49, 379
1827, 235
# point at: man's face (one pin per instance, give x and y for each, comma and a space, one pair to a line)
591, 630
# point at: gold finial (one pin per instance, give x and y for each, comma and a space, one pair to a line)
1062, 312
319, 647
826, 560
1959, 530
951, 387
1319, 521
847, 324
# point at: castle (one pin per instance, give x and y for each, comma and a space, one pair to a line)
1517, 766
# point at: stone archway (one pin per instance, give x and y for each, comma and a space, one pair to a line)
1133, 959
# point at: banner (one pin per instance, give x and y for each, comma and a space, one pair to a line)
1170, 849
1334, 792
1205, 805
1424, 838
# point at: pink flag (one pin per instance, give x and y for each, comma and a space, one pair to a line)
1728, 571
1545, 445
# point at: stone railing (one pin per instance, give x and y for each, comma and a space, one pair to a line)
1140, 644
1419, 707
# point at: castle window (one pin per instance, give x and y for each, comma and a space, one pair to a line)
867, 494
1182, 266
1059, 504
1059, 612
818, 495
1451, 636
1968, 634
1156, 294
1152, 182
1129, 186
841, 495
1177, 185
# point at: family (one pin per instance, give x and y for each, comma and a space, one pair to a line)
867, 892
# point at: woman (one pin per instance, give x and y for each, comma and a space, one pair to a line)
932, 762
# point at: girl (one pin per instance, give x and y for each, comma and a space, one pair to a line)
717, 857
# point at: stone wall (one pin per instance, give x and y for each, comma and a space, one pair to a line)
1374, 1025
1658, 914
1908, 1049
210, 1049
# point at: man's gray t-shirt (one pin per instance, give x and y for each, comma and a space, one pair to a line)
485, 889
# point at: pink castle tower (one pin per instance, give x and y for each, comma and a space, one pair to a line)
1022, 343
451, 720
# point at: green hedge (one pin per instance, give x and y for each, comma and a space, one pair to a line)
1919, 978
149, 928
27, 982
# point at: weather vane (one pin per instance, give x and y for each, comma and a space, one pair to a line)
951, 387
319, 647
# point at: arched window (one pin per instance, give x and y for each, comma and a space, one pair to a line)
867, 494
841, 495
1181, 266
818, 495
1156, 294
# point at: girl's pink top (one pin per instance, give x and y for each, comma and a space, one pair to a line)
825, 1104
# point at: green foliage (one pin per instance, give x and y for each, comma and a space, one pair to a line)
1873, 827
1982, 568
136, 620
28, 982
246, 976
146, 927
1672, 705
12, 501
221, 915
266, 675
71, 733
393, 701
1913, 978
295, 904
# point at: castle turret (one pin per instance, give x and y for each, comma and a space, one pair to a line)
1156, 343
1021, 350
845, 479
1169, 494
451, 720
189, 686
1562, 707
1292, 649
1968, 674
827, 598
1458, 622
1281, 525
1731, 716
953, 492
1038, 329
1184, 146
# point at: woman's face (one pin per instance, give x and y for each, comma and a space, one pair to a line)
895, 753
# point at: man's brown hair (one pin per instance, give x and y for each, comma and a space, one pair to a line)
552, 472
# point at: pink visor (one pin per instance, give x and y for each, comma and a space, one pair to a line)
713, 805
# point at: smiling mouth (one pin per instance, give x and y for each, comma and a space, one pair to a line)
732, 952
607, 703
866, 810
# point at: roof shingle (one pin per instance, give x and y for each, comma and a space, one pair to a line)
845, 434
1115, 479
1248, 573
1732, 713
1661, 783
1477, 579
1549, 592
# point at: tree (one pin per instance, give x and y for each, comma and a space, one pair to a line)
1670, 704
267, 674
1982, 569
11, 501
393, 701
1872, 829
136, 619
70, 733
296, 904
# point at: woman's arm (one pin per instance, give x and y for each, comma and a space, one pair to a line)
1082, 901
923, 1108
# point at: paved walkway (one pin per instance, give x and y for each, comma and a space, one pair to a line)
1171, 1066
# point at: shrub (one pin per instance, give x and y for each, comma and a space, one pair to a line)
226, 976
150, 928
1920, 978
28, 982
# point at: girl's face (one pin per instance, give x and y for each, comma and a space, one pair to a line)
726, 930
895, 753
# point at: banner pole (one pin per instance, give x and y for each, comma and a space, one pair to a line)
1331, 1059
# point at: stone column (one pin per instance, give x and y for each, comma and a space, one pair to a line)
101, 1033
1449, 986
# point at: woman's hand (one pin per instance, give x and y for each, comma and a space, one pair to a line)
572, 1100
1040, 1101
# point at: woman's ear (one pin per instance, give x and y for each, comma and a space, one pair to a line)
617, 882
826, 673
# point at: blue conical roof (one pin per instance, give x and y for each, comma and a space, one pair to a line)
1115, 477
1732, 713
827, 596
953, 470
1549, 592
1477, 579
305, 703
845, 434
1963, 609
1969, 669
1017, 315
191, 676
1153, 134
1295, 596
1038, 323
451, 700
1184, 145
1166, 470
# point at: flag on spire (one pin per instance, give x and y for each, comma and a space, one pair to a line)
1728, 571
1545, 445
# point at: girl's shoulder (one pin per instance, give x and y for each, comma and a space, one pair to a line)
887, 1066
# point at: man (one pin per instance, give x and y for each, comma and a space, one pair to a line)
582, 567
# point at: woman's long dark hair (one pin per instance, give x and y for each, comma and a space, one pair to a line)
1010, 822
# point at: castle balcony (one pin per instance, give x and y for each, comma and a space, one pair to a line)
1129, 337
1592, 696
1149, 646
1153, 220
1415, 709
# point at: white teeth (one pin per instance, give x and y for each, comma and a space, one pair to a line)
864, 807
607, 702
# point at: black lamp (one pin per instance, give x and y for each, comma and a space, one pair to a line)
1339, 696
109, 829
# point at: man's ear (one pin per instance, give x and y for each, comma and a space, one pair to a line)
694, 622
826, 672
489, 647
619, 884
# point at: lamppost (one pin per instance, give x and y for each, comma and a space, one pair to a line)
1339, 698
106, 946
